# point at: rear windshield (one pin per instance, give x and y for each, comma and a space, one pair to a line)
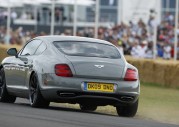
87, 49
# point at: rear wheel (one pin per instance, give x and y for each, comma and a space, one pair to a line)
35, 96
85, 107
128, 110
4, 96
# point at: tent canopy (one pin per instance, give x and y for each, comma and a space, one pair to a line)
78, 2
11, 3
20, 3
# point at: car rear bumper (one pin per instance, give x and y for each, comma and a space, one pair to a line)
71, 90
95, 98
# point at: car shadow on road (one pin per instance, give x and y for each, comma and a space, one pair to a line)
77, 110
68, 109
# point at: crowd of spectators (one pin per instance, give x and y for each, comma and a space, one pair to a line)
135, 39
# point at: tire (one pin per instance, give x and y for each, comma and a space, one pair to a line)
128, 110
35, 96
4, 96
85, 107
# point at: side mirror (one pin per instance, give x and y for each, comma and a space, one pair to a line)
12, 52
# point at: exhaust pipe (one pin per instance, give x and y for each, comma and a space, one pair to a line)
67, 94
127, 98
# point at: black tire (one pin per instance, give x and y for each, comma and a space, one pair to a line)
128, 110
35, 96
4, 96
85, 107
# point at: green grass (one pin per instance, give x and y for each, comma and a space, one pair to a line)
161, 104
156, 103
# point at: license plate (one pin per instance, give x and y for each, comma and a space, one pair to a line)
101, 87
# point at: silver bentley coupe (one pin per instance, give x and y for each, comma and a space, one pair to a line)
69, 69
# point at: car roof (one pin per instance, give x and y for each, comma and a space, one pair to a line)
53, 38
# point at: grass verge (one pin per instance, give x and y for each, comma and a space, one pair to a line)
159, 103
156, 103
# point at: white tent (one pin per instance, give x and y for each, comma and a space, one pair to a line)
78, 2
10, 3
36, 2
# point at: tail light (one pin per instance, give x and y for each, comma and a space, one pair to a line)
63, 70
131, 75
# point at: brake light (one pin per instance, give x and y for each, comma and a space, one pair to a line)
63, 70
131, 75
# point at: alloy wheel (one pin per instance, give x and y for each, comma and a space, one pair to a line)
33, 89
1, 82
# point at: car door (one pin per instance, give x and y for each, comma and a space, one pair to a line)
22, 64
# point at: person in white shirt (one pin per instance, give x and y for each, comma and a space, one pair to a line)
119, 46
149, 51
135, 52
167, 51
14, 15
143, 49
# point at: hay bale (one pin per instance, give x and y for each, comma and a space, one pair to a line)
147, 71
173, 79
162, 72
159, 73
4, 48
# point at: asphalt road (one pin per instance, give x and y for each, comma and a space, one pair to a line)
21, 114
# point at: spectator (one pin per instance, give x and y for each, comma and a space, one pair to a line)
135, 52
24, 15
13, 15
119, 46
167, 51
149, 51
143, 49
